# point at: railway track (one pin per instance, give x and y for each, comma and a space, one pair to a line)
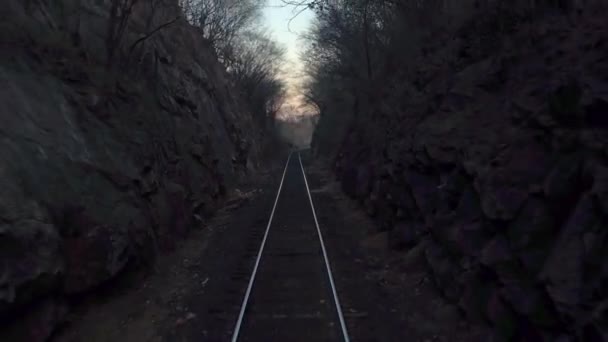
291, 295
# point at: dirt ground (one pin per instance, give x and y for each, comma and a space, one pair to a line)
195, 293
387, 295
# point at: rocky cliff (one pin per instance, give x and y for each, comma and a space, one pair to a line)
103, 166
495, 162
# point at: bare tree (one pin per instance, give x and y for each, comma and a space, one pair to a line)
254, 66
252, 59
148, 35
221, 21
356, 46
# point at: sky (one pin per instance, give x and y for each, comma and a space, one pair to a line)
276, 18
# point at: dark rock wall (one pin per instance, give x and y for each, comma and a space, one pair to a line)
101, 168
498, 165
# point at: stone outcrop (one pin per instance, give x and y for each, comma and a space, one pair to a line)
102, 167
497, 165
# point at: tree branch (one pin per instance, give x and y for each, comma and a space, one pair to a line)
148, 35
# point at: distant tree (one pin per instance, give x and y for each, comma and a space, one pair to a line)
221, 21
251, 57
355, 47
255, 65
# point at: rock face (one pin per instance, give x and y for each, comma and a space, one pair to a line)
504, 171
102, 167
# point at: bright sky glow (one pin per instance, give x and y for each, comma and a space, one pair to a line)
277, 18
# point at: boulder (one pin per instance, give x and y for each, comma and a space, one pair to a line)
405, 234
531, 234
599, 190
31, 262
475, 295
496, 251
595, 113
178, 201
502, 317
501, 201
583, 218
534, 225
564, 181
499, 257
596, 270
364, 181
533, 258
532, 302
441, 154
453, 185
504, 186
349, 181
406, 203
38, 324
444, 270
424, 190
469, 237
414, 260
563, 273
172, 214
469, 207
95, 257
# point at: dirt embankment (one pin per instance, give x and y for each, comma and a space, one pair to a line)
495, 163
196, 293
105, 166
